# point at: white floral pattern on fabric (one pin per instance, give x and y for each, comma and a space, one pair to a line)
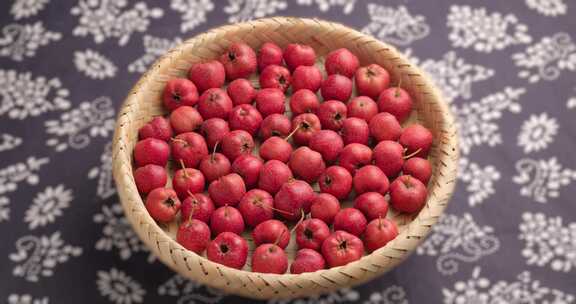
9, 142
154, 47
548, 242
119, 288
193, 12
571, 103
38, 256
27, 8
391, 295
546, 59
524, 290
94, 64
344, 295
542, 179
47, 206
243, 10
537, 132
551, 8
75, 128
189, 291
19, 41
106, 187
458, 239
105, 19
483, 31
325, 5
16, 173
4, 209
22, 96
395, 25
477, 121
480, 180
26, 299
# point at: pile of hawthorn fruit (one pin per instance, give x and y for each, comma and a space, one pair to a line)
352, 147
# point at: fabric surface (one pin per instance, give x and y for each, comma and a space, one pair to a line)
506, 67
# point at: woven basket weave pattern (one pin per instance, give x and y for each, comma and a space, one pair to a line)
144, 101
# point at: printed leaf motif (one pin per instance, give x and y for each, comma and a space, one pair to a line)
395, 25
106, 187
26, 299
16, 173
193, 12
19, 41
4, 209
391, 295
325, 5
243, 10
480, 180
550, 8
189, 291
542, 179
27, 8
9, 142
154, 47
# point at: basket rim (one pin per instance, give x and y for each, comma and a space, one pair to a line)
121, 169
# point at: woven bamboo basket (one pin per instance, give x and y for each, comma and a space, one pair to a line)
143, 102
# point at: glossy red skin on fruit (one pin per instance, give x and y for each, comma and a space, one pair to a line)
197, 206
370, 179
227, 190
311, 233
239, 61
241, 91
372, 204
269, 258
378, 233
270, 101
159, 128
185, 119
337, 181
190, 147
276, 77
308, 124
304, 101
296, 55
384, 126
354, 156
248, 167
245, 117
419, 168
306, 77
355, 130
150, 177
324, 207
269, 53
276, 148
306, 164
151, 151
336, 87
397, 102
207, 75
162, 204
407, 194
236, 250
226, 219
328, 143
341, 248
341, 61
293, 198
271, 232
275, 125
362, 107
213, 130
236, 143
273, 175
372, 80
416, 137
307, 260
332, 114
350, 220
389, 157
214, 103
193, 235
214, 166
179, 92
188, 180
256, 207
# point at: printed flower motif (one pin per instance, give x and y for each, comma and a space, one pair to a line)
47, 206
23, 40
344, 295
391, 295
119, 287
4, 208
154, 47
480, 181
9, 142
16, 173
106, 187
542, 179
537, 132
475, 27
193, 12
94, 65
551, 8
325, 5
243, 10
189, 291
395, 25
26, 299
27, 8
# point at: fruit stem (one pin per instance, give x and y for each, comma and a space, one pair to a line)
279, 237
184, 169
299, 221
259, 204
179, 140
397, 91
194, 207
413, 153
214, 152
380, 222
292, 133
